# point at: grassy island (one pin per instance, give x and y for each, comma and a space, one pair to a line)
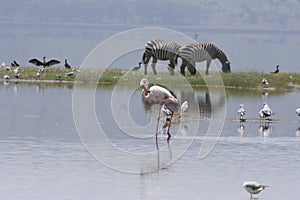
237, 80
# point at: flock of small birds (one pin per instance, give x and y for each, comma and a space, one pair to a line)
15, 67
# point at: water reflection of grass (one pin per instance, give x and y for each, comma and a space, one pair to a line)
236, 80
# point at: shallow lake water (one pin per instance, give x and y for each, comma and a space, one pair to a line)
42, 156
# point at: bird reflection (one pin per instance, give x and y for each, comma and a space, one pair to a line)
265, 129
297, 133
241, 128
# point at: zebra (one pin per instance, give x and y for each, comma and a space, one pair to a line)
160, 50
198, 52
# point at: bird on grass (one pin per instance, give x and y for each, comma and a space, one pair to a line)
136, 68
43, 63
67, 66
298, 111
160, 95
265, 112
253, 187
71, 73
241, 112
265, 81
17, 72
276, 71
14, 64
3, 65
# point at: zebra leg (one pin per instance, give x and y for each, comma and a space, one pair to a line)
171, 67
192, 68
153, 66
146, 65
182, 67
145, 61
207, 66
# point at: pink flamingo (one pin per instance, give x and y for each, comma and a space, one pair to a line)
160, 95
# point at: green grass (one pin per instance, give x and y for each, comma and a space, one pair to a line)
237, 80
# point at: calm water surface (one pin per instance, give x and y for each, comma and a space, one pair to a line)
42, 157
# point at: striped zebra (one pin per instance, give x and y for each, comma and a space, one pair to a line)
198, 52
160, 50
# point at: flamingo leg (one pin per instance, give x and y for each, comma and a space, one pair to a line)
169, 124
158, 118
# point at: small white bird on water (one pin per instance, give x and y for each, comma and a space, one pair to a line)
253, 187
298, 111
241, 111
184, 107
266, 111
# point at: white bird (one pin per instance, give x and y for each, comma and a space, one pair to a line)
17, 72
184, 107
3, 65
265, 81
253, 187
160, 95
241, 111
266, 111
69, 74
38, 74
298, 111
6, 77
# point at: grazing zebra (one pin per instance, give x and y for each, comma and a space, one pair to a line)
160, 50
198, 52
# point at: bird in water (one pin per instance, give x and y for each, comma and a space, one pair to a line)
241, 112
298, 111
276, 71
43, 63
265, 112
160, 95
253, 187
67, 66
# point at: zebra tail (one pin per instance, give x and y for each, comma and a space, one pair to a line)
175, 60
144, 57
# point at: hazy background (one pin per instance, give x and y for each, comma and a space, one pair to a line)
255, 35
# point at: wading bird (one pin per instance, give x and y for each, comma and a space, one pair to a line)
253, 187
265, 112
44, 63
276, 71
241, 112
160, 95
